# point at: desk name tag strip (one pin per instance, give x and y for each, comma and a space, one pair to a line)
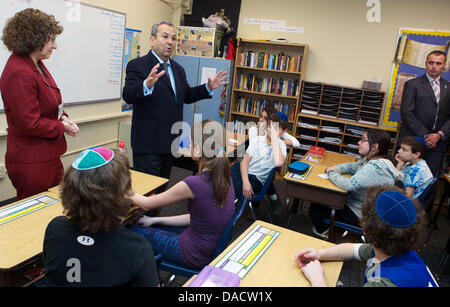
23, 208
244, 255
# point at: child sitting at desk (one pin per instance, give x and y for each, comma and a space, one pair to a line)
416, 173
89, 246
288, 139
392, 225
210, 201
264, 153
374, 169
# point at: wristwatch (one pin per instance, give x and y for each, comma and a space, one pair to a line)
441, 134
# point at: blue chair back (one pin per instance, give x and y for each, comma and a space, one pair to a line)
258, 197
423, 196
345, 226
177, 269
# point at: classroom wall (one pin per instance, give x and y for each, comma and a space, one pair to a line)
345, 48
98, 122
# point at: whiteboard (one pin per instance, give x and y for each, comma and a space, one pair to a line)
87, 66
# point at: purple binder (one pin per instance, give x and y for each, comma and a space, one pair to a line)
212, 276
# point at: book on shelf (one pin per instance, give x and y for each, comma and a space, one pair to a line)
314, 154
262, 60
255, 106
276, 86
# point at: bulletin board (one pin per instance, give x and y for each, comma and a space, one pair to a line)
409, 62
87, 66
195, 41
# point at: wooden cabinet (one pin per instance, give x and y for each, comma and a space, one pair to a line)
332, 101
335, 135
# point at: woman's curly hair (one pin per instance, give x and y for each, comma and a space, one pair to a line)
391, 240
29, 30
94, 200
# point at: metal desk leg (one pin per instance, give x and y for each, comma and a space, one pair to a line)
331, 231
293, 208
436, 215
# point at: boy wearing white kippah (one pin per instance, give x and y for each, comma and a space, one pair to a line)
392, 224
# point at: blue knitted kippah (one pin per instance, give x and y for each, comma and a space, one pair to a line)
421, 140
93, 158
282, 116
396, 209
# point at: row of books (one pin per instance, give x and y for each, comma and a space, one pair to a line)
239, 127
255, 106
279, 61
250, 82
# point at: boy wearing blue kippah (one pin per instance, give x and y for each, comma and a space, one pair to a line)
416, 173
392, 224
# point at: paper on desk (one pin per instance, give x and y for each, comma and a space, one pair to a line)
323, 176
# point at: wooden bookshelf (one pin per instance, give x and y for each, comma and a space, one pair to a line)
267, 73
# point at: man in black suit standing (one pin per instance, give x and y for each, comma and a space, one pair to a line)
157, 88
425, 110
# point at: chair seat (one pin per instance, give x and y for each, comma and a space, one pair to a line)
177, 269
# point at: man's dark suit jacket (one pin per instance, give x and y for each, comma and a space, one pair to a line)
419, 107
154, 115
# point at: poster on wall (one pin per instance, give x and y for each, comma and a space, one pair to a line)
196, 41
132, 51
412, 49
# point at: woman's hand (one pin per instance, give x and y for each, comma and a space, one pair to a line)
70, 127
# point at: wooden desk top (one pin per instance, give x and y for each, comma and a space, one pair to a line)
277, 268
234, 140
22, 239
329, 159
140, 183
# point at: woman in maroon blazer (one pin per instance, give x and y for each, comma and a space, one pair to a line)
33, 104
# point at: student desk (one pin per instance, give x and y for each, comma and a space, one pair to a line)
140, 182
234, 140
22, 239
318, 190
276, 267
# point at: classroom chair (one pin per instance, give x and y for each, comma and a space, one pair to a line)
347, 227
426, 197
444, 259
260, 196
177, 269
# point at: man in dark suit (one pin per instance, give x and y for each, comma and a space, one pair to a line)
425, 110
157, 88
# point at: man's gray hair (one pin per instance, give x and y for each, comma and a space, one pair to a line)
156, 26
